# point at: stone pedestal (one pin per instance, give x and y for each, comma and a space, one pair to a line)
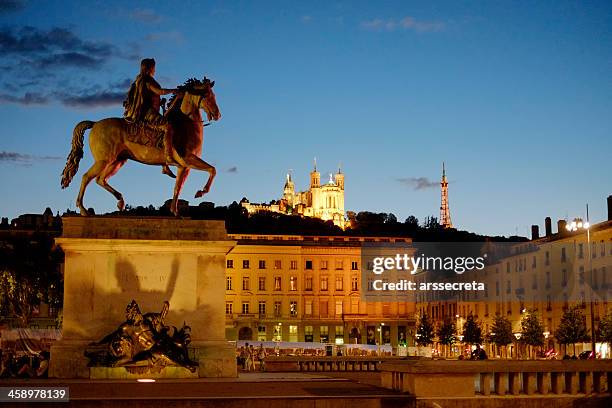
112, 260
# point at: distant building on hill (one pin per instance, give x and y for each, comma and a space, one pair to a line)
325, 202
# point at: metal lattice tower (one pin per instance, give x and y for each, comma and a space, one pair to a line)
445, 218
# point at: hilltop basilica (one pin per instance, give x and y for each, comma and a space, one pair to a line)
325, 201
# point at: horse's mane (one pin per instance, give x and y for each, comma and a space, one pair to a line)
189, 85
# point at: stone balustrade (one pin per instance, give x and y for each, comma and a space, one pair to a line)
318, 364
454, 378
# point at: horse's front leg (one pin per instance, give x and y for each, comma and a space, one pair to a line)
195, 162
181, 176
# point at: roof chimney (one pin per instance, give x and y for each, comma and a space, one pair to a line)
561, 226
535, 232
548, 226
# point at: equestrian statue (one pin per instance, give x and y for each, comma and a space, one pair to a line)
144, 135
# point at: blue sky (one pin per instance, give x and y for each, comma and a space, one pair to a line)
515, 97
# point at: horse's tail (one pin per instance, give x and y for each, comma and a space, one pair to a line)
76, 153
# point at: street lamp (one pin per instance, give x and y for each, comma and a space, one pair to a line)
577, 225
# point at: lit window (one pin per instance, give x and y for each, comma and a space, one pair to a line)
278, 264
339, 282
277, 283
324, 281
245, 307
228, 283
293, 308
293, 283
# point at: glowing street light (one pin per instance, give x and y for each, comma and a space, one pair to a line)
578, 225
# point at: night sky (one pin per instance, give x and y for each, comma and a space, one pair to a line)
516, 98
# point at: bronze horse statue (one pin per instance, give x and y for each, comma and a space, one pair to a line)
111, 147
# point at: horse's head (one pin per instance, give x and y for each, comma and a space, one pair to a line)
200, 95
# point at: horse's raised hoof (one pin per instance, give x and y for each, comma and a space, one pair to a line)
166, 170
199, 193
121, 205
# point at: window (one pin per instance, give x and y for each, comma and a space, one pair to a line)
496, 288
339, 265
323, 308
293, 333
339, 282
229, 308
509, 287
547, 259
293, 308
564, 277
533, 263
245, 307
245, 264
580, 251
354, 266
246, 283
262, 264
563, 256
602, 247
324, 330
262, 283
293, 265
547, 279
277, 283
277, 309
309, 265
324, 281
278, 264
308, 334
293, 283
339, 338
323, 264
262, 308
278, 333
355, 283
228, 283
354, 306
308, 283
338, 308
308, 308
261, 333
230, 264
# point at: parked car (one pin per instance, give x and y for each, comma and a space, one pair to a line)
586, 355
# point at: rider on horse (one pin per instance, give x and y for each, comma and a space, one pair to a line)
143, 103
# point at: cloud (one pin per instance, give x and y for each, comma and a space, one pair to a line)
29, 98
407, 24
146, 16
306, 19
233, 169
22, 158
33, 42
418, 183
94, 99
11, 6
44, 66
174, 36
96, 96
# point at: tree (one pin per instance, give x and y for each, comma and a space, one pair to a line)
425, 331
447, 333
472, 333
572, 328
501, 332
605, 328
532, 331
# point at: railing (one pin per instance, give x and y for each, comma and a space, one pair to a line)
318, 364
483, 378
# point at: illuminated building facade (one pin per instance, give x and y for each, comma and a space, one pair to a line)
308, 289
